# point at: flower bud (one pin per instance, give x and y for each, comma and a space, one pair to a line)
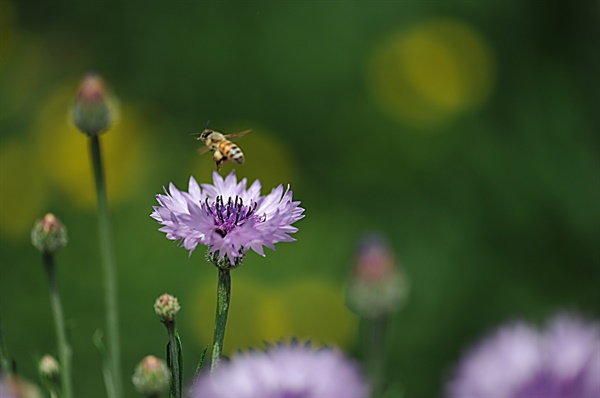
48, 367
48, 234
166, 307
151, 376
92, 110
378, 287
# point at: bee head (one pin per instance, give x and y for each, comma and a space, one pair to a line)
204, 135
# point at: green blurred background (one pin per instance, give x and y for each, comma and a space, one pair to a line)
466, 132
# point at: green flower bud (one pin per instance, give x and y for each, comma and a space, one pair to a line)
378, 286
93, 109
166, 307
151, 376
48, 234
48, 367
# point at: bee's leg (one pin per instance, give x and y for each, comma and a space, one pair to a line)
218, 158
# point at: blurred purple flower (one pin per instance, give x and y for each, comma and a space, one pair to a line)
227, 217
284, 371
378, 285
518, 361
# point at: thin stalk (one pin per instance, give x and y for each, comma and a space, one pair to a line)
64, 351
376, 330
223, 298
108, 263
174, 355
106, 372
49, 385
4, 363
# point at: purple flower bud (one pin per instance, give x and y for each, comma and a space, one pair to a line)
378, 286
92, 110
151, 376
48, 367
48, 234
166, 307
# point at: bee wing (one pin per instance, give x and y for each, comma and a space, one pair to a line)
237, 135
203, 150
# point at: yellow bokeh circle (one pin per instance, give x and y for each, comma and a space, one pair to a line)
432, 72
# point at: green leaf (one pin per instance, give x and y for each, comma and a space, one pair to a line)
180, 359
200, 363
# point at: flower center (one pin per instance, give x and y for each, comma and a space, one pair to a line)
232, 214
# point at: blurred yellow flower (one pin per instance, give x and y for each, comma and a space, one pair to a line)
426, 75
308, 309
64, 154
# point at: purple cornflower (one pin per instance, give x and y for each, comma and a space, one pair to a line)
284, 371
519, 361
227, 217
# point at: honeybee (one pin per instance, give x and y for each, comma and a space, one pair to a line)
223, 149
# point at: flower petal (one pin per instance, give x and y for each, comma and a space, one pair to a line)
212, 215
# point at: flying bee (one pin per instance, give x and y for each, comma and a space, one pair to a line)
223, 149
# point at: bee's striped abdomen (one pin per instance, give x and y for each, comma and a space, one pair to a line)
231, 151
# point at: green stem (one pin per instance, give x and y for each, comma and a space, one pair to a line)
106, 372
108, 263
376, 352
174, 363
223, 298
49, 385
64, 351
4, 362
